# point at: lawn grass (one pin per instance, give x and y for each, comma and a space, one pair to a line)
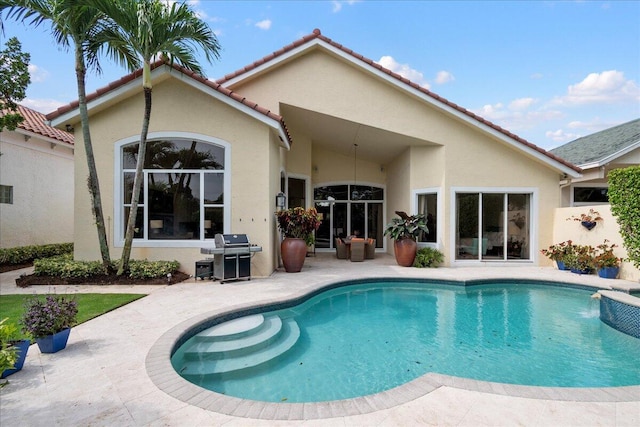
89, 305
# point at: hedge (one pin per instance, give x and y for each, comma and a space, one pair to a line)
624, 197
27, 254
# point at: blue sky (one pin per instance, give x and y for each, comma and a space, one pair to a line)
549, 71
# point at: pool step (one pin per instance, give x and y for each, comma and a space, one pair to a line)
233, 329
264, 343
206, 346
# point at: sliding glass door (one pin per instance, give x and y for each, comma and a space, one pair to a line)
493, 226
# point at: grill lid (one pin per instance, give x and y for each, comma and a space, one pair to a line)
231, 240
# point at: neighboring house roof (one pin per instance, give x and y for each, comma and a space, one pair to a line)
35, 122
238, 101
316, 36
602, 147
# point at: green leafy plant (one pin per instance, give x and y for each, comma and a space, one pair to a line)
581, 259
590, 216
558, 251
428, 257
605, 256
26, 254
144, 269
406, 226
298, 223
48, 316
66, 267
624, 194
8, 353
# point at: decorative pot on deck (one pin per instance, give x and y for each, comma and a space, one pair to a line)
23, 348
293, 253
405, 251
608, 272
53, 343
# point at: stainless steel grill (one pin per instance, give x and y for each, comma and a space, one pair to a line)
231, 257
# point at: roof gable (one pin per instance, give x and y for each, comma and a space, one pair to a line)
125, 85
316, 39
602, 147
36, 123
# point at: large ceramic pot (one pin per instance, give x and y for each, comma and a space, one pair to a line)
405, 251
23, 348
562, 266
293, 252
53, 343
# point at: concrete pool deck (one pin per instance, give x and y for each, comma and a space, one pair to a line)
106, 374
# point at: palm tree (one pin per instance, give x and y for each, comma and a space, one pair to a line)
75, 23
154, 29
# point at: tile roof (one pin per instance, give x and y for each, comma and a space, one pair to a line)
600, 145
316, 34
138, 73
37, 123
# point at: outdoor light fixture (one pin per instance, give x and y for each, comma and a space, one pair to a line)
281, 200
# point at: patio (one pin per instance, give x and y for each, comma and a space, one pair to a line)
102, 377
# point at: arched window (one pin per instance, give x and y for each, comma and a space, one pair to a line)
183, 192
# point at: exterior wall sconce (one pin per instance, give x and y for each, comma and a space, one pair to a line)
281, 200
69, 128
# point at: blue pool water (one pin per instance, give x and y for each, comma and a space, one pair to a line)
362, 339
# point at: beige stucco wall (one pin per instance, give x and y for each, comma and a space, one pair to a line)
566, 229
42, 180
453, 154
180, 108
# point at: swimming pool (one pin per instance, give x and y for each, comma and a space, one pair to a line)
362, 339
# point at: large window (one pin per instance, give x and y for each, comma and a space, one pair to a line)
493, 226
428, 206
346, 210
182, 197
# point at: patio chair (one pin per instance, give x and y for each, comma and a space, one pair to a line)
370, 249
342, 252
357, 250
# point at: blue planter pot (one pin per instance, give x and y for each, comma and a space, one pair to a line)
53, 343
578, 271
23, 348
588, 224
561, 266
608, 272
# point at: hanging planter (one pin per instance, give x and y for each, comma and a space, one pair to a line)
588, 220
588, 224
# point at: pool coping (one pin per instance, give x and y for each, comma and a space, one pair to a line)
163, 375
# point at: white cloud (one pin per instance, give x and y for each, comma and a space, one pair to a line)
521, 104
37, 74
561, 136
265, 24
44, 106
444, 77
404, 70
537, 76
608, 87
337, 4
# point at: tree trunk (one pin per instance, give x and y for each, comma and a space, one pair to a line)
92, 181
137, 183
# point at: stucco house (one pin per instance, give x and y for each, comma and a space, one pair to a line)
329, 128
597, 154
36, 183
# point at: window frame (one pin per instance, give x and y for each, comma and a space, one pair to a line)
437, 191
6, 194
533, 226
119, 223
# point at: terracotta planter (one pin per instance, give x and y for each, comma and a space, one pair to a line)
293, 252
405, 251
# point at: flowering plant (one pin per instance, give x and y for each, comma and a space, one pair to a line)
582, 258
558, 251
605, 256
298, 223
591, 216
43, 317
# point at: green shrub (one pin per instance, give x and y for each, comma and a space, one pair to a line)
64, 266
143, 269
25, 254
624, 196
428, 257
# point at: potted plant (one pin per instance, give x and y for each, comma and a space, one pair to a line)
606, 262
297, 226
13, 349
404, 231
557, 252
49, 321
581, 261
588, 220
